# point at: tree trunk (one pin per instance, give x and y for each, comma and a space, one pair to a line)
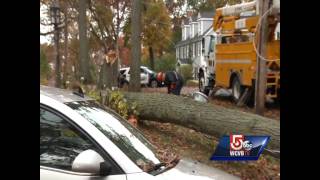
134, 84
111, 75
206, 118
151, 57
58, 63
102, 76
84, 53
66, 60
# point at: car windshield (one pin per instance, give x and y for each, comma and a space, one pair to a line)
149, 70
120, 132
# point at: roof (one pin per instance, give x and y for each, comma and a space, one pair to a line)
187, 41
206, 14
194, 18
61, 95
196, 38
184, 61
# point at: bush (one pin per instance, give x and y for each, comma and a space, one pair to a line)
118, 103
186, 72
165, 63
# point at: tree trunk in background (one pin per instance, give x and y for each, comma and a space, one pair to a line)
151, 57
111, 75
58, 63
103, 77
134, 84
66, 59
84, 53
108, 76
206, 118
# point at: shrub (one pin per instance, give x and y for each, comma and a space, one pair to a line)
186, 72
165, 63
117, 102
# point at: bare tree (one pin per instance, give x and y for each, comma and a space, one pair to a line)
106, 23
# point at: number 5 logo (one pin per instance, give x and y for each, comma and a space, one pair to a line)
236, 142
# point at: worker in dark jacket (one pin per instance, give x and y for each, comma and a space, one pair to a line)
172, 80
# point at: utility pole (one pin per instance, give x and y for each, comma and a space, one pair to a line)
260, 89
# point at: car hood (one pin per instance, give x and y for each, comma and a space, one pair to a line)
194, 170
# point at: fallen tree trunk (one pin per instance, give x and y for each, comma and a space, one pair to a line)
204, 117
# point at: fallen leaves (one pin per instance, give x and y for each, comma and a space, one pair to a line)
173, 141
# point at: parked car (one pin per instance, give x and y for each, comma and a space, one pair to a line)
153, 82
148, 77
81, 140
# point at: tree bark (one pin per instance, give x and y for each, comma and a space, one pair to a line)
151, 57
84, 53
58, 63
134, 84
66, 59
204, 117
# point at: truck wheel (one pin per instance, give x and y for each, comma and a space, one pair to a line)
206, 91
237, 89
201, 83
125, 85
153, 84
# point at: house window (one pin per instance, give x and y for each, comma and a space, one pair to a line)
203, 45
187, 51
193, 49
182, 56
177, 53
196, 49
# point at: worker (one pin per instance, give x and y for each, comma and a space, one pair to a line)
172, 80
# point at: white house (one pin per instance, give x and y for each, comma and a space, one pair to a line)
194, 47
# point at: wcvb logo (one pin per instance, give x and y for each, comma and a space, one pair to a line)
239, 146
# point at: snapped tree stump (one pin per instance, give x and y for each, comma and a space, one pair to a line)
204, 117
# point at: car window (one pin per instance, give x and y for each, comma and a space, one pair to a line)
119, 131
59, 142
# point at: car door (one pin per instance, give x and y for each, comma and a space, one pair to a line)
127, 73
144, 76
61, 142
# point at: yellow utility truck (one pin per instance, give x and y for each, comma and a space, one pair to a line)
233, 58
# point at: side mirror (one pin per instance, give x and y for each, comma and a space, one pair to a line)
90, 161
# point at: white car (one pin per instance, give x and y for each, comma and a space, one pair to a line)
143, 75
80, 140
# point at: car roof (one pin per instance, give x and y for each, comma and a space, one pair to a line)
129, 67
61, 95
